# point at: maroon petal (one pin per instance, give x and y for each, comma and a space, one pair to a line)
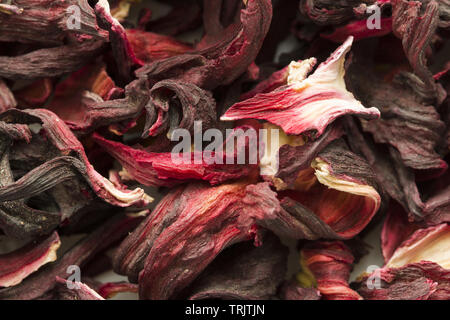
130, 256
341, 198
294, 159
93, 77
46, 22
219, 64
35, 94
15, 131
17, 219
43, 281
412, 127
327, 265
416, 32
150, 46
406, 284
64, 141
359, 30
417, 270
396, 229
49, 62
196, 105
274, 81
430, 244
19, 264
437, 207
7, 100
399, 181
203, 220
122, 51
417, 281
206, 223
98, 113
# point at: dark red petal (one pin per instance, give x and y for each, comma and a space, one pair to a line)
94, 114
274, 81
416, 32
329, 265
41, 282
243, 271
122, 51
418, 281
49, 62
66, 142
150, 46
45, 22
168, 95
110, 289
19, 264
35, 94
7, 100
359, 30
220, 63
396, 229
294, 159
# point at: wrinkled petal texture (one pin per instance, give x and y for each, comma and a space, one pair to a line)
307, 104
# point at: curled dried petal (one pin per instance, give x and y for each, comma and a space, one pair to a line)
169, 95
243, 271
416, 32
49, 62
328, 12
396, 229
219, 64
429, 244
80, 291
19, 264
122, 51
329, 265
7, 100
65, 141
110, 289
359, 30
417, 270
47, 22
44, 280
149, 46
306, 104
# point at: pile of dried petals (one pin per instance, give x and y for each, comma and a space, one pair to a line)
92, 96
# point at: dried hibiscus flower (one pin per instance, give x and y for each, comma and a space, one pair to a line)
327, 265
251, 153
263, 269
336, 197
417, 270
17, 265
219, 63
306, 103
